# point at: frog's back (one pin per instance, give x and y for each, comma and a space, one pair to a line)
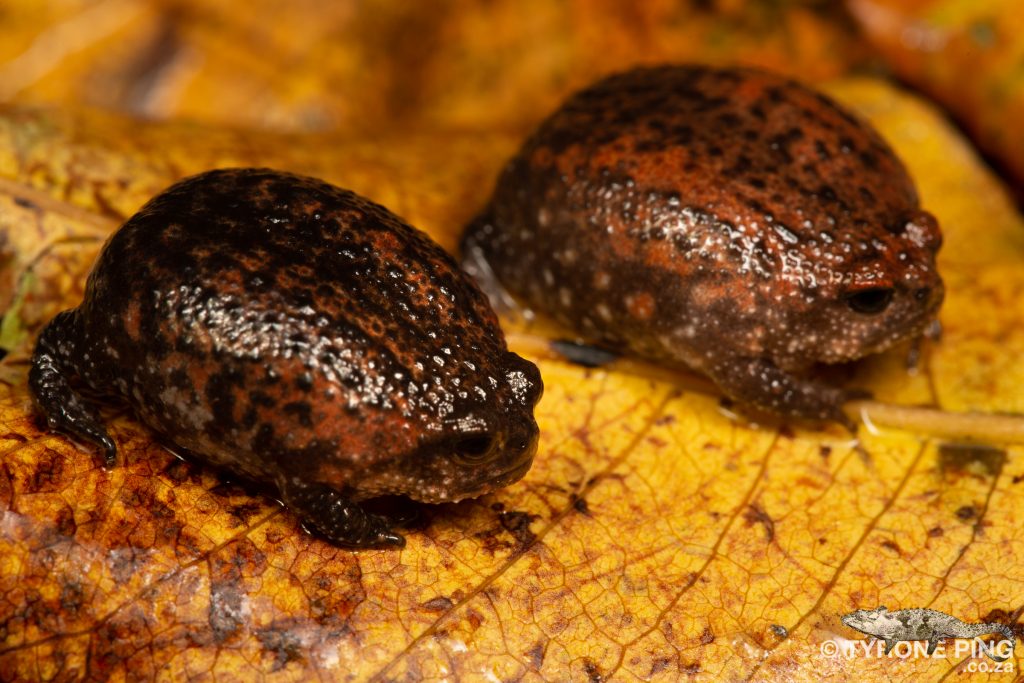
717, 192
281, 241
269, 313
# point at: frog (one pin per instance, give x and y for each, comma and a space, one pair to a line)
720, 219
297, 335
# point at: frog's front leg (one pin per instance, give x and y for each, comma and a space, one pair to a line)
764, 385
65, 410
933, 333
337, 518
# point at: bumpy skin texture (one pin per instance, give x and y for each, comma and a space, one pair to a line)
728, 220
302, 336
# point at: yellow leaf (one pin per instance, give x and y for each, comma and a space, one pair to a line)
654, 537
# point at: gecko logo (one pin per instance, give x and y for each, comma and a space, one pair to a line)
930, 626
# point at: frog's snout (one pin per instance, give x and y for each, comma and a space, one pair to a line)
521, 447
932, 296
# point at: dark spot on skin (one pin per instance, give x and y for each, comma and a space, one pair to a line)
26, 203
707, 636
775, 95
780, 630
869, 159
936, 532
965, 458
262, 399
824, 451
729, 120
301, 411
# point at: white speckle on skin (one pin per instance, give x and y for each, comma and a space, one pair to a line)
565, 297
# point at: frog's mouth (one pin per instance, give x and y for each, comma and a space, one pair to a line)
436, 495
513, 475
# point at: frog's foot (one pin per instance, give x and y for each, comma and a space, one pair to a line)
338, 519
932, 333
583, 354
65, 410
761, 383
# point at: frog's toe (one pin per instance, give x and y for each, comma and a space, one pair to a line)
64, 408
343, 522
109, 451
391, 539
358, 530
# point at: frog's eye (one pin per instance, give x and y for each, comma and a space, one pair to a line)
475, 449
870, 301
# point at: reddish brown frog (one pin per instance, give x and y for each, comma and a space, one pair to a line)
725, 219
300, 335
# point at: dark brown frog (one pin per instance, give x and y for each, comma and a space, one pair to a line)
725, 219
300, 335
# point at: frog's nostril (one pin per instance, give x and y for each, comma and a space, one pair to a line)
922, 293
529, 442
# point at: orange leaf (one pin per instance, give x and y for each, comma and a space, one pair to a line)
654, 537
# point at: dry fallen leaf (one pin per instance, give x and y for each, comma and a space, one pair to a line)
349, 65
654, 537
967, 55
